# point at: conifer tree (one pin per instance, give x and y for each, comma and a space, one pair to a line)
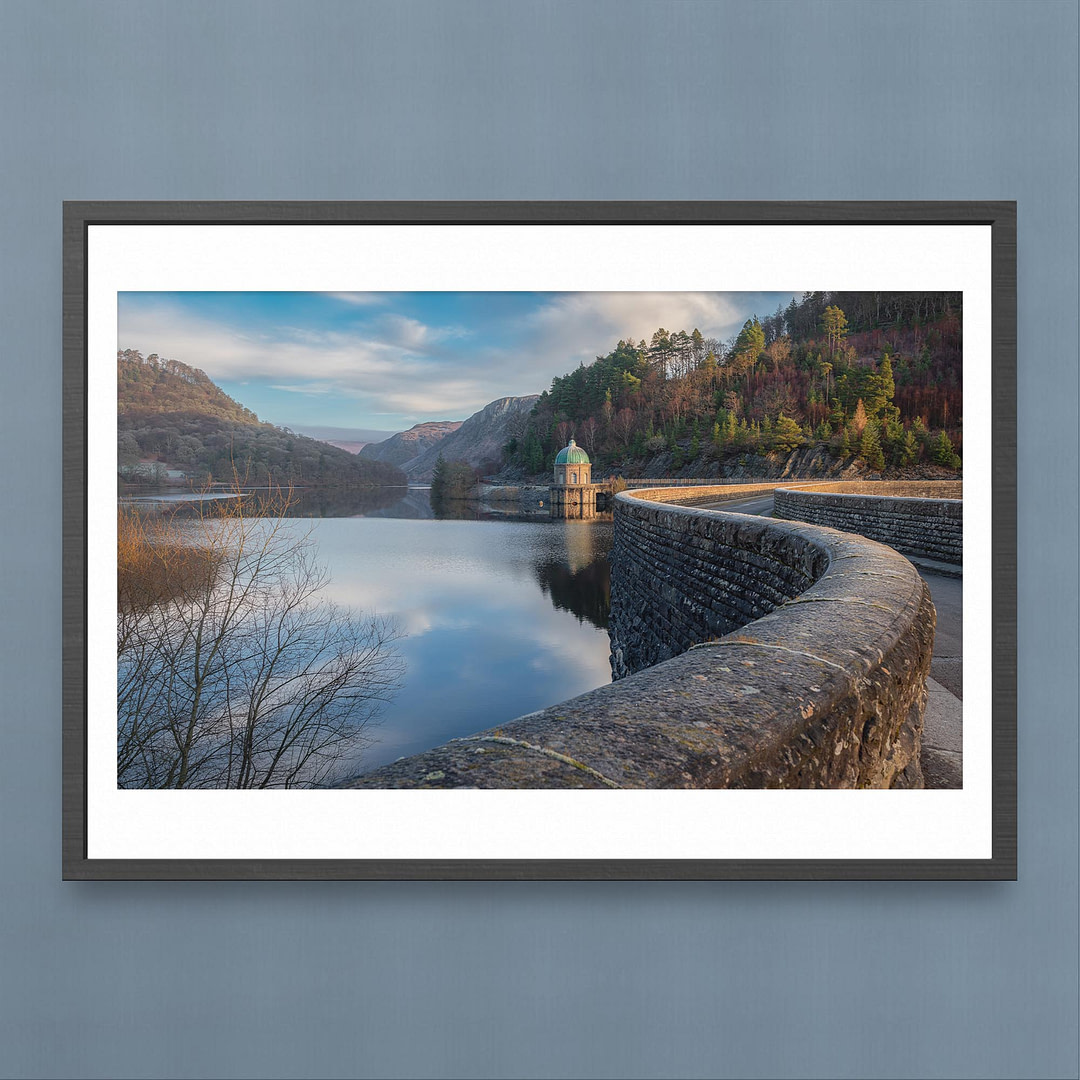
885, 374
834, 323
697, 347
944, 453
708, 367
870, 447
438, 478
787, 435
910, 452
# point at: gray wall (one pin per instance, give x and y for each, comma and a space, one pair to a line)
536, 100
928, 528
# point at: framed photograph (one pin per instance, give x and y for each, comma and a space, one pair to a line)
539, 540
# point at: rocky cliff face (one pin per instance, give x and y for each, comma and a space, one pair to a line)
479, 440
807, 463
406, 445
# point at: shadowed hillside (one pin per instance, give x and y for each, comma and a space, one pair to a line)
406, 445
480, 440
172, 416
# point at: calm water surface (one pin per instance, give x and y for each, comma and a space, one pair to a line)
500, 613
500, 616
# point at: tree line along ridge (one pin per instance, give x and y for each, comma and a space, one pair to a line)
871, 377
169, 413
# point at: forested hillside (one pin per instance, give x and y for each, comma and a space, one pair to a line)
872, 380
174, 414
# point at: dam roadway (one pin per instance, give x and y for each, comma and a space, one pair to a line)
942, 745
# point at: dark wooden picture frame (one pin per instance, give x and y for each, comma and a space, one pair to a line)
1000, 216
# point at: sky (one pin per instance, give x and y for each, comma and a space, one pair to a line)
382, 362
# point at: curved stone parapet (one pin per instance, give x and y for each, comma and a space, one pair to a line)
821, 685
924, 519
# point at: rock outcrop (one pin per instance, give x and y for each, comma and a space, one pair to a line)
479, 440
406, 445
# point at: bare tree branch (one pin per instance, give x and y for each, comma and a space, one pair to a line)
232, 671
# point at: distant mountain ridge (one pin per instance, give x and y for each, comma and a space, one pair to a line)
341, 436
175, 415
479, 440
406, 445
348, 447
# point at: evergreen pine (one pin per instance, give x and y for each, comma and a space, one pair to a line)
787, 435
438, 479
944, 453
870, 447
910, 452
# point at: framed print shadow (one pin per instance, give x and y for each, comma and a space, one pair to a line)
539, 540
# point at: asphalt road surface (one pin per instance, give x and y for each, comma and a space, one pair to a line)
761, 505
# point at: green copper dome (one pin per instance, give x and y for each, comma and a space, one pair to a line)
572, 455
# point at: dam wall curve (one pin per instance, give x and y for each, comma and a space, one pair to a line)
748, 653
920, 518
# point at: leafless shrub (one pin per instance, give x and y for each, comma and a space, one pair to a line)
233, 673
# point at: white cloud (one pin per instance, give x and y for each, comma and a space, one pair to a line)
398, 366
582, 326
393, 366
301, 388
577, 327
359, 299
405, 332
636, 315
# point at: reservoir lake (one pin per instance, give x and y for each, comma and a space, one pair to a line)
500, 616
500, 613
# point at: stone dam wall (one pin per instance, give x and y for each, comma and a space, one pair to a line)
678, 579
805, 664
920, 518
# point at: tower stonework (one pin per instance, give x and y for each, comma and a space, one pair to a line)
572, 492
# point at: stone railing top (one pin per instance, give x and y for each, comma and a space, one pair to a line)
948, 490
748, 710
703, 493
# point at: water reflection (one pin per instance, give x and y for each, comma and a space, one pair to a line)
300, 503
359, 502
504, 613
412, 503
585, 592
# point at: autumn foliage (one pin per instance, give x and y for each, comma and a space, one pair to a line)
870, 376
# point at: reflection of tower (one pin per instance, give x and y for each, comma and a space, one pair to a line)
580, 546
579, 580
572, 492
